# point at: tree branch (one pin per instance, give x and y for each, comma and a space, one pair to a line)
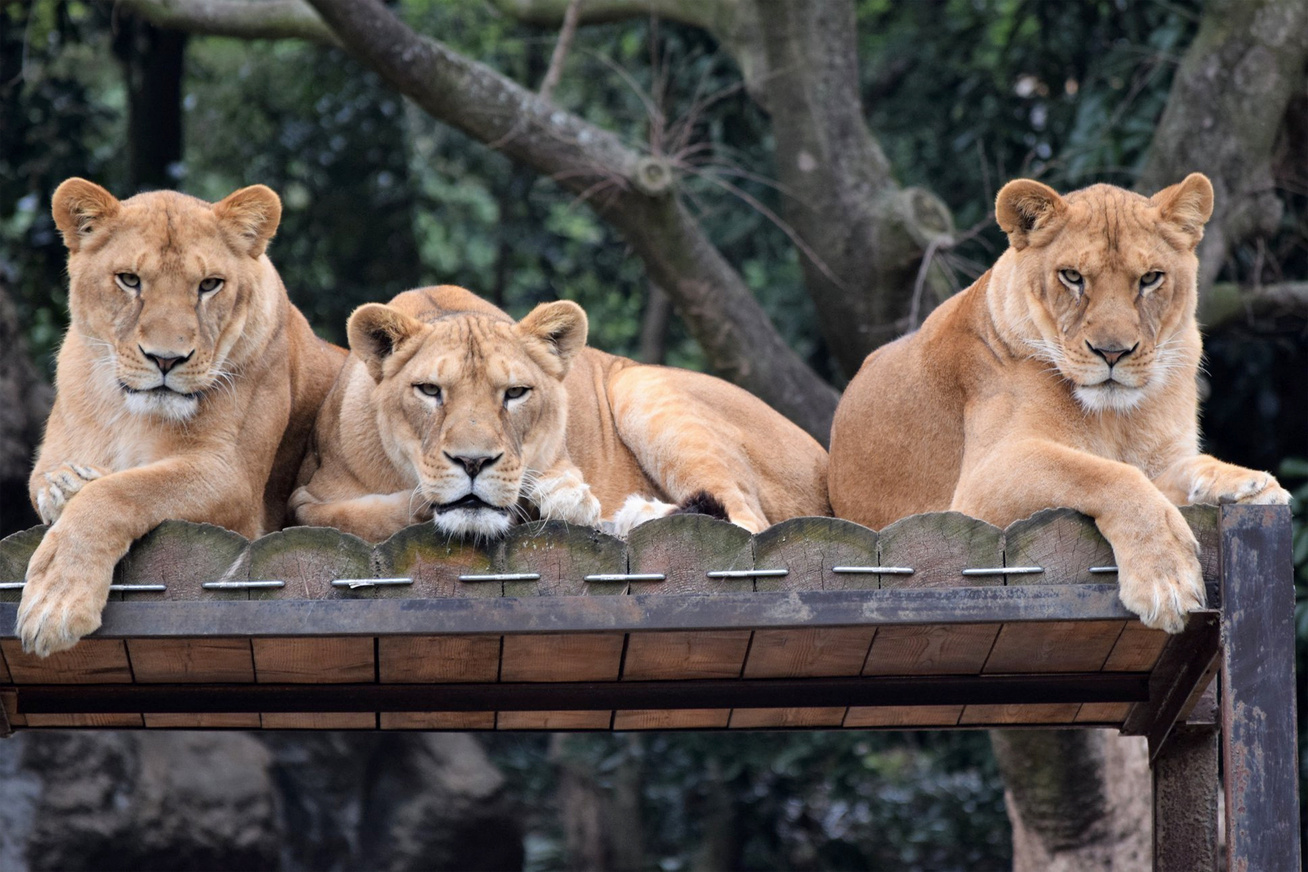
1227, 305
566, 34
255, 19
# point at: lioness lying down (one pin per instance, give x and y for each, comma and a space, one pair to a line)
1065, 376
448, 410
187, 388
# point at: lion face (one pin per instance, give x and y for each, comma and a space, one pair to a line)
471, 405
160, 287
1109, 279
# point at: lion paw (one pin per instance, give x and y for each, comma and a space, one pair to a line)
61, 484
565, 497
636, 511
65, 593
1159, 575
1224, 483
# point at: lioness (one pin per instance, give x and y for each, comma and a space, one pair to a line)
186, 388
447, 409
1065, 376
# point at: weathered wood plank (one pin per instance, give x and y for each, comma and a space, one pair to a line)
435, 562
561, 657
314, 661
1103, 713
1053, 646
906, 716
308, 560
1137, 649
9, 701
1204, 522
938, 547
684, 548
1065, 543
438, 720
811, 548
571, 720
91, 661
663, 719
703, 654
1026, 713
98, 721
182, 661
1259, 736
15, 551
318, 720
436, 659
212, 720
563, 555
769, 718
961, 649
813, 651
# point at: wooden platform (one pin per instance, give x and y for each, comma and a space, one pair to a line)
936, 622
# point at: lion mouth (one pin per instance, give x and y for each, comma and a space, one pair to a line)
471, 502
161, 390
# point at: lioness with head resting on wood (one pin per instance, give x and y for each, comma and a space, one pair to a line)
1065, 376
448, 410
187, 386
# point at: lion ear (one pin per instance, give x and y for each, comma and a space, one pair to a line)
1187, 206
561, 328
376, 332
1025, 207
251, 215
80, 208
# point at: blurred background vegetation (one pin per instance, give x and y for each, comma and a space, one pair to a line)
963, 95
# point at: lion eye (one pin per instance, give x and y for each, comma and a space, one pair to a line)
428, 390
1073, 279
1150, 280
128, 281
211, 284
515, 393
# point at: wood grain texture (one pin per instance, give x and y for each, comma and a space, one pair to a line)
562, 657
436, 659
684, 547
681, 719
1137, 649
309, 559
938, 547
435, 562
318, 720
960, 649
553, 720
903, 716
314, 661
97, 721
703, 654
1204, 523
438, 720
1053, 646
9, 700
182, 556
771, 718
1064, 542
563, 555
90, 661
1103, 712
815, 651
15, 550
228, 721
184, 661
1034, 713
810, 548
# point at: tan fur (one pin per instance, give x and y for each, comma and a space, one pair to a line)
999, 407
215, 437
592, 430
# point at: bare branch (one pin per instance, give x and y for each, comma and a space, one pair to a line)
255, 19
699, 13
560, 55
1227, 305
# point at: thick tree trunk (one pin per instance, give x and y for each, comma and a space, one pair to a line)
1078, 799
152, 59
1226, 109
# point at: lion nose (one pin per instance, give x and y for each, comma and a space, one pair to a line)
474, 464
166, 362
1112, 355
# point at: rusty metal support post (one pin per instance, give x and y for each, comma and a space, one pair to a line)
1185, 801
1259, 753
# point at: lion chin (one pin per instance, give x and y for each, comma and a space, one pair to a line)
162, 402
471, 518
1108, 396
